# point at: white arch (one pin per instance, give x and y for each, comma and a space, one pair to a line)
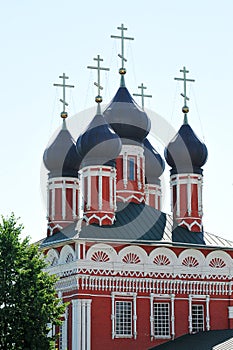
218, 256
52, 257
134, 251
193, 255
102, 247
66, 251
163, 252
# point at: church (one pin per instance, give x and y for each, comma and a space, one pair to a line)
134, 276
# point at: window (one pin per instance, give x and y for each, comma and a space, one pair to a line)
123, 318
131, 168
197, 318
161, 320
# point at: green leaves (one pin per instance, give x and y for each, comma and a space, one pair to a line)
28, 301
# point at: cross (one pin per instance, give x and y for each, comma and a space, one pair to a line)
63, 85
122, 37
142, 87
98, 98
184, 79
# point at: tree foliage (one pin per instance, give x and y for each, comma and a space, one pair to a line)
28, 301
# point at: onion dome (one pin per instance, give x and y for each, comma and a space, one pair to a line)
99, 144
61, 157
154, 163
186, 153
126, 118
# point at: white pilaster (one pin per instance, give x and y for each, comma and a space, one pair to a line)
88, 303
83, 340
189, 196
76, 324
113, 316
190, 314
63, 200
151, 317
172, 316
208, 312
135, 316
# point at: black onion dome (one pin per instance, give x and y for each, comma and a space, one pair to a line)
186, 153
154, 163
61, 157
126, 118
99, 144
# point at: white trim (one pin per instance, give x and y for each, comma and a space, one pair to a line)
76, 324
126, 199
53, 203
88, 192
189, 196
134, 316
100, 191
125, 169
178, 199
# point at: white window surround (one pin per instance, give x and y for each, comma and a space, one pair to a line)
162, 298
121, 297
203, 298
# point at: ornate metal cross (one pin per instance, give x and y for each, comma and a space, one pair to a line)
98, 98
184, 79
122, 37
142, 87
64, 86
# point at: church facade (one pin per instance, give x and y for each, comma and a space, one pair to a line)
134, 276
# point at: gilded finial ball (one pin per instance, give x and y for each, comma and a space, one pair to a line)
98, 99
64, 115
122, 71
185, 109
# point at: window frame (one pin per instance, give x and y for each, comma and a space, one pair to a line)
124, 319
162, 299
196, 328
118, 298
164, 322
131, 168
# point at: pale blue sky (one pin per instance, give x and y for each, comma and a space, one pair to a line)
42, 39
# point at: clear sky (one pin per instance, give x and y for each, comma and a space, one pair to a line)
42, 39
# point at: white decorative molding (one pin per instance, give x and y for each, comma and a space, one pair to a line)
191, 255
132, 196
99, 218
52, 257
66, 251
163, 251
104, 248
133, 254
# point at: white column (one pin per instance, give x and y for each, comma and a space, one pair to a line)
125, 170
177, 197
139, 172
100, 194
83, 325
64, 331
199, 194
74, 209
88, 191
63, 200
134, 317
53, 203
48, 201
151, 317
76, 324
88, 303
190, 314
173, 316
189, 196
113, 316
207, 313
111, 190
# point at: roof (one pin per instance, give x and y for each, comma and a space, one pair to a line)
138, 223
209, 340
